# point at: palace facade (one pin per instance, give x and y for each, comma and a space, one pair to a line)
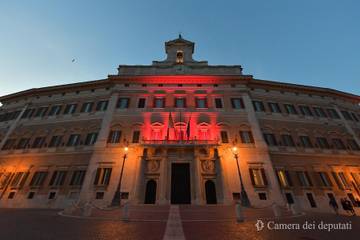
177, 132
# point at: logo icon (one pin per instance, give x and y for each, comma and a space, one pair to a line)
259, 225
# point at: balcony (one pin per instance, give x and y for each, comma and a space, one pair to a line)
180, 143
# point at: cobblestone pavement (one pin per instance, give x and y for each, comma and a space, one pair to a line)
208, 223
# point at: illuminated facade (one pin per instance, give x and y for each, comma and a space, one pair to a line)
179, 119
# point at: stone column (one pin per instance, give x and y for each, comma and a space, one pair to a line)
221, 190
87, 190
13, 126
197, 180
140, 181
347, 125
275, 191
164, 165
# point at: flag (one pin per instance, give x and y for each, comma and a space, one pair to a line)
188, 128
170, 125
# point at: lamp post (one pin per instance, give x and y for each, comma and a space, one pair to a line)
118, 191
243, 195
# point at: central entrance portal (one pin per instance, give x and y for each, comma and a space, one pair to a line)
180, 183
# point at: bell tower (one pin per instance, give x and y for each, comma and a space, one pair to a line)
179, 52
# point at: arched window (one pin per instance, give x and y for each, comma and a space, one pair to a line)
180, 57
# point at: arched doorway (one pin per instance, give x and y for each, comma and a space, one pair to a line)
210, 192
150, 192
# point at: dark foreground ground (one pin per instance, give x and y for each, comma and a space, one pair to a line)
151, 222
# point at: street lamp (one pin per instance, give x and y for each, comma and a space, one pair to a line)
243, 195
118, 191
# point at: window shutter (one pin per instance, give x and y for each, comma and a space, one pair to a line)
264, 176
337, 180
63, 178
23, 180
53, 178
278, 178
251, 137
232, 103
97, 176
308, 177
242, 103
328, 179
288, 178
252, 176
107, 179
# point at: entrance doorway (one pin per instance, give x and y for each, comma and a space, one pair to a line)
180, 183
150, 192
210, 192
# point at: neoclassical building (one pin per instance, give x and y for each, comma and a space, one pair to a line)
177, 132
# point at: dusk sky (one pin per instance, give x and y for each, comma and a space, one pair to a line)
310, 42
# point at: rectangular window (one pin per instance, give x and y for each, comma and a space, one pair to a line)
284, 178
201, 103
353, 144
141, 102
289, 198
77, 178
218, 103
224, 137
322, 142
237, 103
343, 179
346, 115
332, 113
305, 141
19, 179
287, 140
136, 137
258, 106
270, 139
305, 110
290, 109
246, 137
159, 102
325, 180
52, 195
338, 143
23, 143
41, 112
311, 199
70, 108
87, 107
319, 112
91, 138
58, 178
114, 136
55, 141
55, 110
123, 103
28, 113
102, 105
354, 117
38, 142
274, 107
9, 144
38, 179
180, 102
102, 176
258, 177
11, 195
304, 179
74, 140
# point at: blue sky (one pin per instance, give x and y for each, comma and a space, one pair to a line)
311, 42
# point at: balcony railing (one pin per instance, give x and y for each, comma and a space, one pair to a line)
180, 142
